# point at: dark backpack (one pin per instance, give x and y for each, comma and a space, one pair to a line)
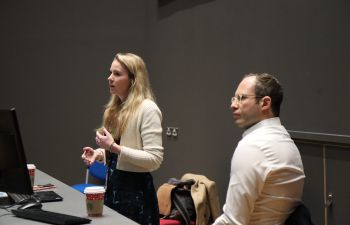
182, 205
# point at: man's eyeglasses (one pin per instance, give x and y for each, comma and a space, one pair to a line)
240, 98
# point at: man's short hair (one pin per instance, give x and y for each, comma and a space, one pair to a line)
268, 85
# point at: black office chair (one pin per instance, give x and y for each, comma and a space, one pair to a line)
300, 216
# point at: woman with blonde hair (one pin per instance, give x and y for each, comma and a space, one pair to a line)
130, 141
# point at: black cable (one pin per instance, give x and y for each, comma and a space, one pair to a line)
6, 214
5, 207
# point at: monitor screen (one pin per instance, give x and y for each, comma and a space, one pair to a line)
14, 176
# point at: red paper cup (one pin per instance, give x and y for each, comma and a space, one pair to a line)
94, 200
31, 170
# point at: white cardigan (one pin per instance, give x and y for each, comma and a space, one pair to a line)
141, 141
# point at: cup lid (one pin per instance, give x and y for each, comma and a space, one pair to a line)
94, 189
31, 166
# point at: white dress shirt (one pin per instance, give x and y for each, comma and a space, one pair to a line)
267, 177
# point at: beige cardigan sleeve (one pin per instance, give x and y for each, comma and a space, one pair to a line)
141, 142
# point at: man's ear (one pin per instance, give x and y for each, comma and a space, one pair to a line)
265, 102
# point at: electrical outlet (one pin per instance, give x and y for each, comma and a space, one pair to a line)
168, 131
172, 131
175, 132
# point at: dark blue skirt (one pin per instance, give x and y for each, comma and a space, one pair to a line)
132, 194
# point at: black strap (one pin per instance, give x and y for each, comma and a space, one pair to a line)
183, 188
181, 207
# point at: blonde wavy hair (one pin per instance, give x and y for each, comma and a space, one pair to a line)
117, 113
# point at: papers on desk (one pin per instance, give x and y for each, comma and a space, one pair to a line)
40, 187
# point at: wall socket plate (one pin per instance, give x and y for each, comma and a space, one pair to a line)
172, 131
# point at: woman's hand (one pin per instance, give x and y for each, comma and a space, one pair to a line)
104, 139
89, 155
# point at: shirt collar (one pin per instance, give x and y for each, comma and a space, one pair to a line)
266, 122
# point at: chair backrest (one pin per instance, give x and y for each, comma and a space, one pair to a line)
98, 170
300, 216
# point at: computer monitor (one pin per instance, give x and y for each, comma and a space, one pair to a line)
14, 175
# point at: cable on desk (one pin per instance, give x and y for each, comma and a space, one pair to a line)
6, 214
5, 207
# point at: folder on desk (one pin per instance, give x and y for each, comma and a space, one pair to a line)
48, 196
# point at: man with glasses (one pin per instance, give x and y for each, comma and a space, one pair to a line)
267, 175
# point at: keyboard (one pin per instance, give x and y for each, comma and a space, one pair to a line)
40, 196
49, 217
22, 198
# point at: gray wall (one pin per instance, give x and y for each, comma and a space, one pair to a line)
55, 58
54, 61
200, 52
